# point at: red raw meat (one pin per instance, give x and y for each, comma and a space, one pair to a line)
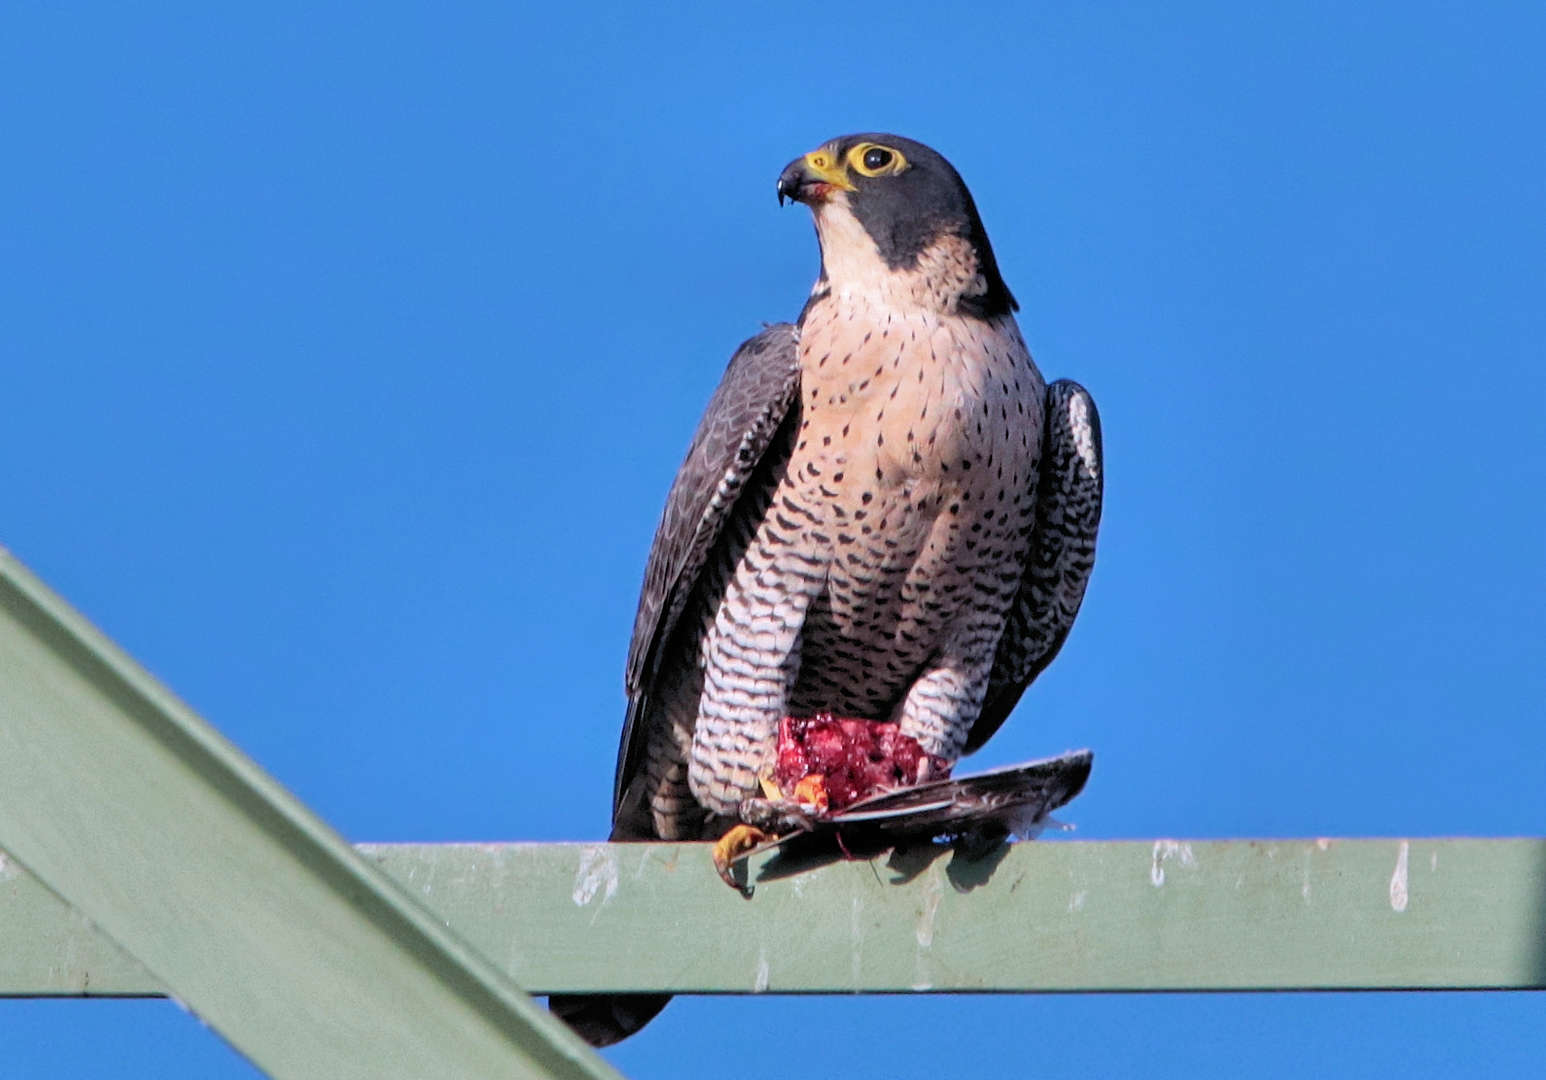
854, 758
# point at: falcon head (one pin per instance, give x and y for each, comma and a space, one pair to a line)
894, 217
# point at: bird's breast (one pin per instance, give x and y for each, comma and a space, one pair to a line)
911, 482
913, 399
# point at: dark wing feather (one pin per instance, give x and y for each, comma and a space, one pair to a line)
1014, 798
987, 806
760, 385
1068, 502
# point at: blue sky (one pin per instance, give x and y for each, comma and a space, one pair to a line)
347, 353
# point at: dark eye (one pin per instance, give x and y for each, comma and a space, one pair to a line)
877, 158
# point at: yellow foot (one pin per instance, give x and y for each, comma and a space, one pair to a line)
735, 843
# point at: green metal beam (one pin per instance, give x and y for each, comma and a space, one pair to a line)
301, 953
1057, 916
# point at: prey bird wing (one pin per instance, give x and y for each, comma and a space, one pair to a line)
982, 808
1014, 797
1068, 504
755, 396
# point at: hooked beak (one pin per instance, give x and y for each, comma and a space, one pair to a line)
812, 179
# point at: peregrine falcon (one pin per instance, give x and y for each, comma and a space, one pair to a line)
885, 514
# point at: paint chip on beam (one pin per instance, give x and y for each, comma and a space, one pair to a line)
597, 873
1398, 884
1165, 850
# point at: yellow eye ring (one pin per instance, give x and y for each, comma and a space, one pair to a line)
872, 159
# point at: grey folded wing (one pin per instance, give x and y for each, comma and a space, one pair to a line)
759, 388
1068, 505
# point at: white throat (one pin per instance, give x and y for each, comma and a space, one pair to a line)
945, 272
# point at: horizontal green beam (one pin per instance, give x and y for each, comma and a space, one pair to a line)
238, 900
1056, 916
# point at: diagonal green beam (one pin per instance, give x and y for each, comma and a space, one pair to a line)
1436, 914
302, 954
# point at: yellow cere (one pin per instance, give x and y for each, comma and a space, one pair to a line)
825, 166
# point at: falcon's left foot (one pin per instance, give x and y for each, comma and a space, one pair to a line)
735, 843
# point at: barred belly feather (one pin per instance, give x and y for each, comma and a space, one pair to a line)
879, 578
